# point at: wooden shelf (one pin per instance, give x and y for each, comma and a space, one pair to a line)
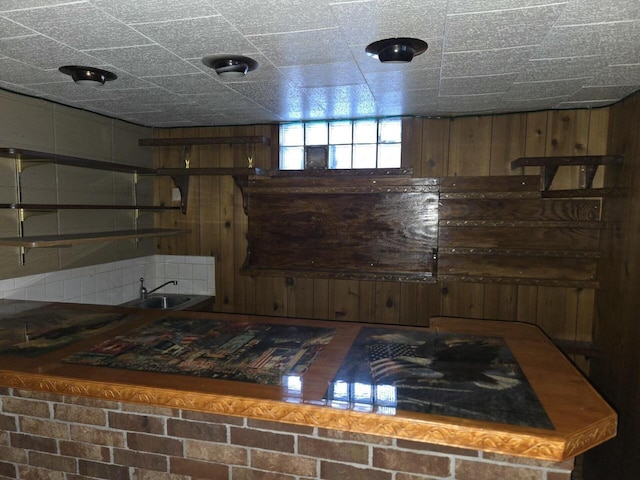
43, 206
42, 157
173, 142
68, 240
189, 172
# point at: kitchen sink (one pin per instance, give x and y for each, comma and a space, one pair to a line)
166, 301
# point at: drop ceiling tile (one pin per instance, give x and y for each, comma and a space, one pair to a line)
585, 104
147, 60
10, 29
71, 91
401, 80
469, 103
552, 88
561, 68
276, 16
42, 52
487, 62
590, 94
379, 19
477, 85
119, 105
142, 11
327, 74
520, 105
499, 29
197, 37
192, 83
12, 71
617, 75
68, 24
302, 48
475, 6
580, 12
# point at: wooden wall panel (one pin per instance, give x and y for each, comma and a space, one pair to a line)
476, 146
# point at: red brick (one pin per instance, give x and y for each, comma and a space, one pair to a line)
8, 423
279, 427
262, 439
150, 410
44, 428
31, 442
136, 423
531, 462
470, 470
8, 470
332, 450
35, 473
4, 437
421, 463
14, 455
87, 451
212, 418
52, 462
34, 395
354, 437
92, 402
103, 470
339, 471
211, 432
31, 408
197, 469
284, 463
79, 414
227, 454
410, 476
97, 436
431, 447
558, 475
240, 473
141, 474
154, 444
148, 461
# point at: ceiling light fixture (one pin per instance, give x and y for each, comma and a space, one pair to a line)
230, 66
396, 50
88, 75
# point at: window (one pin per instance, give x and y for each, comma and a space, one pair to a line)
341, 144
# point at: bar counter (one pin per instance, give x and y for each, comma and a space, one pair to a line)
580, 418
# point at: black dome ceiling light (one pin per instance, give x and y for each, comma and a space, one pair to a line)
88, 75
396, 50
230, 66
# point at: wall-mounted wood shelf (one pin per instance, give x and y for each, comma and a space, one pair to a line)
43, 206
42, 157
174, 142
68, 240
549, 166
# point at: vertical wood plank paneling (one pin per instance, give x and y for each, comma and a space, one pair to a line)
321, 299
429, 302
192, 218
210, 223
500, 302
434, 149
367, 304
387, 302
408, 307
271, 296
344, 300
527, 304
557, 312
300, 298
508, 138
598, 127
470, 146
463, 299
412, 145
568, 132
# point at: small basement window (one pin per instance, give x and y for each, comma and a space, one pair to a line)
341, 144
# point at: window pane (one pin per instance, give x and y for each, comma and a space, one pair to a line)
339, 156
364, 156
365, 131
339, 132
390, 131
389, 155
291, 158
292, 134
316, 133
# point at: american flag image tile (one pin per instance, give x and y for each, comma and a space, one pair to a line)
385, 362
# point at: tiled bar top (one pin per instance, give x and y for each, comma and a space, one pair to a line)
581, 418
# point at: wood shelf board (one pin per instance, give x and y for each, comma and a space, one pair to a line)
40, 157
211, 171
43, 206
67, 240
172, 142
560, 161
421, 277
330, 173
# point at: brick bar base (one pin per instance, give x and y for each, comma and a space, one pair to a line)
48, 436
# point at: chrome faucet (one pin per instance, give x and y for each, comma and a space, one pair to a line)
143, 290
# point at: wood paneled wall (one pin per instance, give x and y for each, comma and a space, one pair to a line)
466, 146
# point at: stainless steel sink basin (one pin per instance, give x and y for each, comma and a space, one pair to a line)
166, 301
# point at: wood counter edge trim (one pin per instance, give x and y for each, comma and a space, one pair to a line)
550, 447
